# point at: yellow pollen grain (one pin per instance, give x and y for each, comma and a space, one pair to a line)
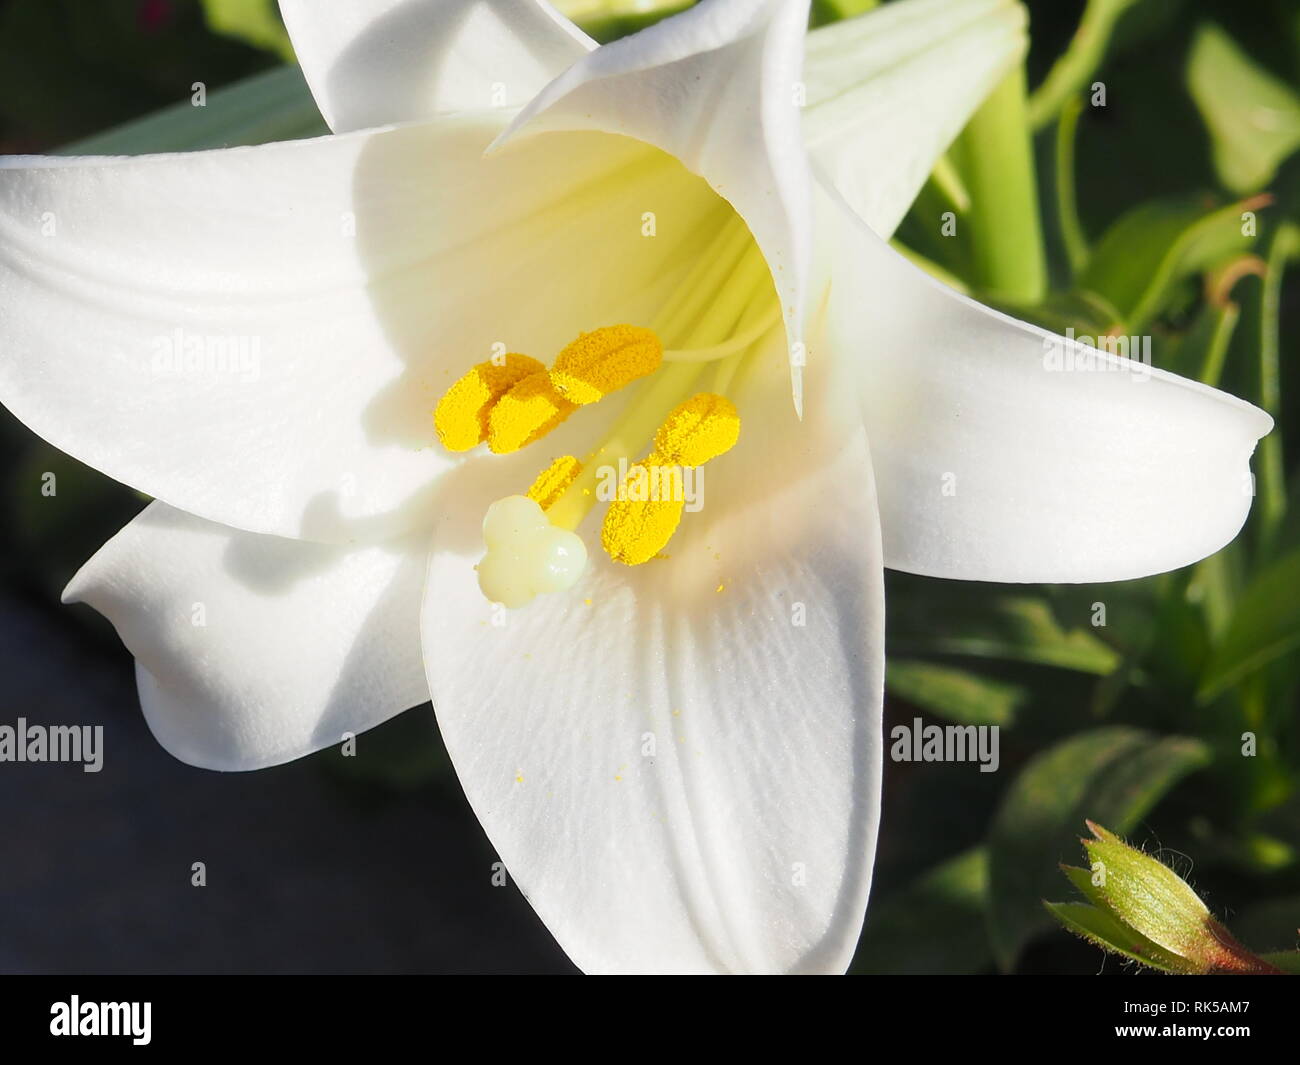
461, 417
603, 361
530, 410
636, 530
553, 481
705, 426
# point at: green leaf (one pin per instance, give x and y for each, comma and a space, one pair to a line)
1113, 775
1252, 117
1272, 923
1154, 246
1203, 349
256, 22
1103, 930
934, 925
268, 107
1075, 68
1286, 960
958, 695
1086, 313
975, 623
1249, 851
1264, 626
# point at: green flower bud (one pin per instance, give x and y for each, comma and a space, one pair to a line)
1138, 907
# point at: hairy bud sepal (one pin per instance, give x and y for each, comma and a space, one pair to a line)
1141, 909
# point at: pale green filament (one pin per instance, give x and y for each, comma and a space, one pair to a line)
737, 344
737, 281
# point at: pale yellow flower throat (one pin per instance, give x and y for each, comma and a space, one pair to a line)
718, 314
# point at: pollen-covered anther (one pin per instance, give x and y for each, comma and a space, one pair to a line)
461, 417
641, 521
603, 361
530, 410
704, 427
552, 482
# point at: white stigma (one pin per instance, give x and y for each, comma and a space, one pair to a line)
526, 555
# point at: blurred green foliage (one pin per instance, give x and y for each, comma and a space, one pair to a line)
1138, 723
1189, 730
70, 68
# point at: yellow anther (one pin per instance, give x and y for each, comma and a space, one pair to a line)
641, 521
552, 481
635, 530
530, 410
702, 428
605, 360
461, 417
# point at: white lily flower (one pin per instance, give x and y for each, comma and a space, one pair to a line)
679, 762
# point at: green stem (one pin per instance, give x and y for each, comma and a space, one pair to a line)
949, 184
1067, 205
930, 267
1272, 473
1216, 353
1079, 62
1004, 231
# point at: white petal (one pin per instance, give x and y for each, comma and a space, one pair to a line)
387, 61
258, 336
1004, 453
750, 658
889, 91
716, 86
22, 162
253, 650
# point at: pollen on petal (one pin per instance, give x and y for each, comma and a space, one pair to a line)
530, 410
553, 481
702, 428
636, 528
603, 361
461, 417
